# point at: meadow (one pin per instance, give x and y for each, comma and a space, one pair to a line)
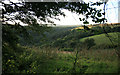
50, 60
102, 39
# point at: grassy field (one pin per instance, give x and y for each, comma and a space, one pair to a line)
50, 60
102, 39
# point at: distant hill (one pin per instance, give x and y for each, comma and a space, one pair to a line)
94, 25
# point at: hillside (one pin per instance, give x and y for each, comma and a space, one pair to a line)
74, 37
103, 40
62, 37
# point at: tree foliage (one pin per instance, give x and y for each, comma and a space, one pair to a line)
27, 11
30, 12
89, 43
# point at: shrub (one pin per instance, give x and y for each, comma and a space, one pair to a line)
88, 43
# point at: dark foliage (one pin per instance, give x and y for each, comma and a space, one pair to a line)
89, 43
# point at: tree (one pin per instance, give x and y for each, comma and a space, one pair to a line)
30, 12
27, 11
88, 43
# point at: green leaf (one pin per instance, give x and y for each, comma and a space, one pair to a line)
86, 22
80, 19
99, 15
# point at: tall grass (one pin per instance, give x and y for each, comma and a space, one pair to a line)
50, 60
89, 61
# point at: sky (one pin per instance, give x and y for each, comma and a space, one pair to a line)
73, 18
119, 13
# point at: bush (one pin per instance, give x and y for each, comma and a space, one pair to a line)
88, 43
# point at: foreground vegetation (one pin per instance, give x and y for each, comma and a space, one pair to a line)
83, 52
50, 60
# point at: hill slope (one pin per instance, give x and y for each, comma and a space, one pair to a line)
103, 40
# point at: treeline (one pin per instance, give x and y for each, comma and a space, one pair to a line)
66, 39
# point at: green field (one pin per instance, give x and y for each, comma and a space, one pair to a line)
50, 60
54, 61
102, 39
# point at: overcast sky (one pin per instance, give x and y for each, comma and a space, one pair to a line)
73, 19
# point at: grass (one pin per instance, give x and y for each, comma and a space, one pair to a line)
99, 61
102, 39
50, 60
92, 61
